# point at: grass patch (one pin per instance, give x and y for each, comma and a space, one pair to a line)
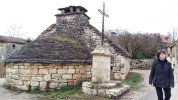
68, 93
148, 67
133, 79
65, 92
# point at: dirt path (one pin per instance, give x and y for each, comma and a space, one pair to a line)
144, 89
14, 95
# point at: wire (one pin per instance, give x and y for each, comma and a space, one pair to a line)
156, 17
171, 22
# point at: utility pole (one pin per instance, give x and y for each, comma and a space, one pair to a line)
103, 16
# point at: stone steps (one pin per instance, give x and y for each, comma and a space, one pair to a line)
108, 85
117, 91
112, 89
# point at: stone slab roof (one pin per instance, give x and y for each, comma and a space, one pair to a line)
12, 40
53, 47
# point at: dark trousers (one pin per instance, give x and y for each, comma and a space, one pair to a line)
167, 92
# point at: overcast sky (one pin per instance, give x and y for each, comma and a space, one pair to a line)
133, 15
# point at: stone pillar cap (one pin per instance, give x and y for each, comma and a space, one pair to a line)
102, 50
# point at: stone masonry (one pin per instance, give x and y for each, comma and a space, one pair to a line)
101, 83
101, 64
21, 75
77, 23
66, 45
141, 63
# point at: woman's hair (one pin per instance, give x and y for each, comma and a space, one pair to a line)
159, 52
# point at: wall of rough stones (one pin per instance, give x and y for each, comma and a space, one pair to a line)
36, 75
73, 23
141, 63
121, 68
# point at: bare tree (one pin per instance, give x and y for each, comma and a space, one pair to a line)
137, 44
14, 31
172, 35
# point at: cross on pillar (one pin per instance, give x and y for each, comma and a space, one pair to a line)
103, 16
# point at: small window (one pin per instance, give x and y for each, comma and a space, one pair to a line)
13, 46
67, 10
74, 9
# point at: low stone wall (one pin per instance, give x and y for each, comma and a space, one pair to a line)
121, 69
51, 76
141, 63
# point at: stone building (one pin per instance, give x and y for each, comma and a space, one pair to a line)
165, 41
173, 49
61, 55
8, 46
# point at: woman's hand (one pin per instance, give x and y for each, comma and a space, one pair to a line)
172, 86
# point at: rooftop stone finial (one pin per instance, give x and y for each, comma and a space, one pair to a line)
72, 9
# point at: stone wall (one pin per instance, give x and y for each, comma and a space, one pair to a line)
73, 23
120, 68
141, 63
36, 75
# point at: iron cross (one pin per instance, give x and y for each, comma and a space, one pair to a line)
103, 15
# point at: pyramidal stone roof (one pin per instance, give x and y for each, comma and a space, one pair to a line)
53, 47
61, 42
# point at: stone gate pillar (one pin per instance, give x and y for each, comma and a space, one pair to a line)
101, 64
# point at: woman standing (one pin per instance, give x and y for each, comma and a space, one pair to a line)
161, 76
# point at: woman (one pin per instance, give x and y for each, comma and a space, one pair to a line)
161, 76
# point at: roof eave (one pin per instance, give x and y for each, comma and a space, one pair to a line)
45, 61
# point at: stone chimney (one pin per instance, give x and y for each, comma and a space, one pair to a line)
72, 19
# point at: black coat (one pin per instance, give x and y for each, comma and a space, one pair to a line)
161, 76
